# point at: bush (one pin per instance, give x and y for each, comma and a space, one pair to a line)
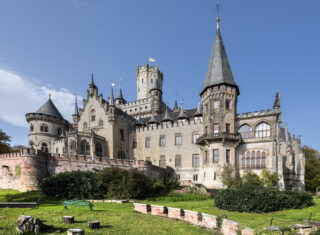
123, 184
255, 198
72, 185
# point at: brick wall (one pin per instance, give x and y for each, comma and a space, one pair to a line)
228, 227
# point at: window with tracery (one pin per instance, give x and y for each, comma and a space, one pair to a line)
262, 130
245, 131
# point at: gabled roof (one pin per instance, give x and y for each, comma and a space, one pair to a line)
50, 109
219, 71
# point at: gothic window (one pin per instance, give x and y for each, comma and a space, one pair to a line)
195, 160
100, 122
44, 147
59, 131
262, 130
84, 147
85, 126
147, 142
162, 141
215, 155
248, 162
253, 162
178, 140
243, 162
93, 116
73, 145
258, 153
227, 155
195, 136
258, 162
31, 127
178, 161
263, 154
248, 154
263, 162
245, 131
195, 177
253, 153
98, 150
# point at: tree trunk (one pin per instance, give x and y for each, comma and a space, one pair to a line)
94, 224
68, 219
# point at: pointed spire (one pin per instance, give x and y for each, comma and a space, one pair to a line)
276, 105
199, 110
219, 71
120, 94
111, 101
166, 116
76, 110
92, 85
175, 108
182, 114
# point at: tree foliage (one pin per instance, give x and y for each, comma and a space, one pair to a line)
312, 174
4, 142
269, 179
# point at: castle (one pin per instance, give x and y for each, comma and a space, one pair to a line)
192, 145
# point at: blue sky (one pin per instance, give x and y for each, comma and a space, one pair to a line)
56, 44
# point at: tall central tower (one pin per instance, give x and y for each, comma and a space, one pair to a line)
148, 77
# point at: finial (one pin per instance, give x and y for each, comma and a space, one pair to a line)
218, 15
75, 98
49, 94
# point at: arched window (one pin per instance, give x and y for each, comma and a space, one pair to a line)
93, 116
98, 150
253, 162
253, 154
84, 147
85, 126
248, 154
59, 131
248, 162
245, 131
44, 128
100, 122
258, 162
262, 130
31, 127
258, 153
243, 162
44, 147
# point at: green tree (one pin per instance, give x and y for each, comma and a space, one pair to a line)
312, 174
230, 176
252, 178
4, 142
269, 179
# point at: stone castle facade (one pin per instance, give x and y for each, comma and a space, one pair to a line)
193, 145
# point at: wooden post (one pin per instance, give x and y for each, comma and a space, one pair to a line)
75, 231
94, 224
68, 219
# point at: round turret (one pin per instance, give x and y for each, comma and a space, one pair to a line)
46, 124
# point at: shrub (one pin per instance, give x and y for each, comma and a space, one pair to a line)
71, 185
255, 198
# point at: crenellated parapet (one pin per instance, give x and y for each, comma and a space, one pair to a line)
256, 114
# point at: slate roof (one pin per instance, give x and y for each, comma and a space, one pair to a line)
173, 115
219, 71
50, 109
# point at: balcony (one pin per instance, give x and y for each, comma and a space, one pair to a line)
219, 137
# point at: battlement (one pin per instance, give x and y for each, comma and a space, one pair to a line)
23, 152
137, 102
150, 69
154, 127
255, 113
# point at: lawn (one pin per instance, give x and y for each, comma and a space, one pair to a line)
252, 220
114, 218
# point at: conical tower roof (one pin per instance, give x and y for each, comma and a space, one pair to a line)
76, 109
120, 95
166, 116
199, 110
111, 101
139, 122
152, 119
219, 71
182, 114
50, 109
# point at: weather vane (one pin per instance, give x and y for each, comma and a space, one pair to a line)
218, 15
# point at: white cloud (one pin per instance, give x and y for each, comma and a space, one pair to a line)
19, 96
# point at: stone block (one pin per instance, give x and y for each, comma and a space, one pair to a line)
229, 227
192, 216
175, 213
209, 221
158, 210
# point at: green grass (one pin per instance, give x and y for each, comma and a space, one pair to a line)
114, 218
253, 220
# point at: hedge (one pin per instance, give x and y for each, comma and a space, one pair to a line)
253, 198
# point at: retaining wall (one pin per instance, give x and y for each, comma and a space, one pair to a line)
228, 227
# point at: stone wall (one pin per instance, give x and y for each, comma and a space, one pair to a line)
227, 227
22, 170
